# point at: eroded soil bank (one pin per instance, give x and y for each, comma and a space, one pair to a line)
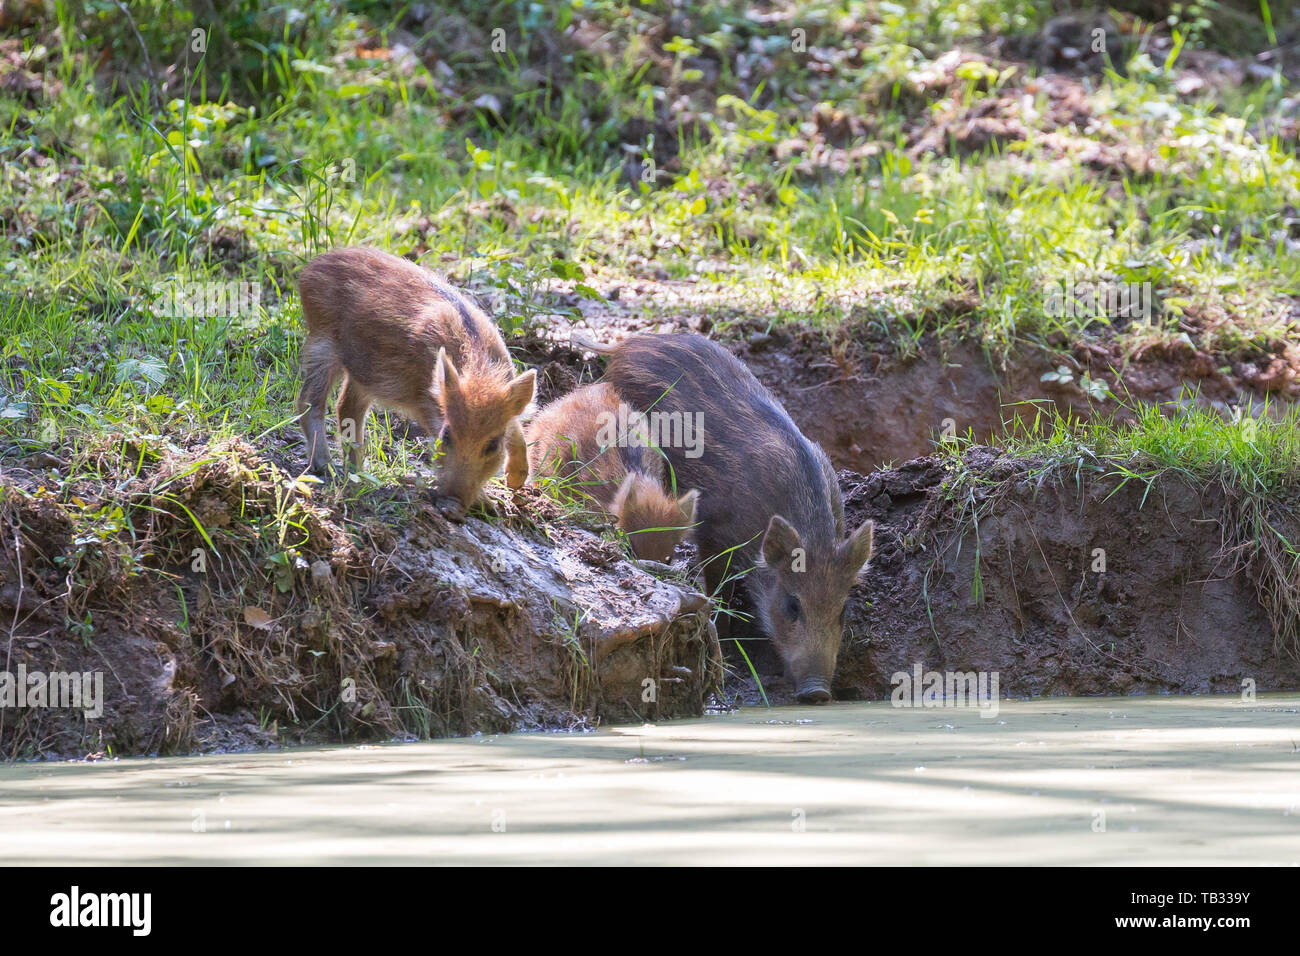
1070, 579
386, 620
1142, 781
227, 607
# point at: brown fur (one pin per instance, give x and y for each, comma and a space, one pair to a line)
401, 337
626, 480
765, 490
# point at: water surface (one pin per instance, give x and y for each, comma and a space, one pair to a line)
1134, 780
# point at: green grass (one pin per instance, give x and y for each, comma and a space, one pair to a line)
296, 142
1257, 455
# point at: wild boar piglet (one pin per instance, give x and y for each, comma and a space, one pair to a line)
601, 452
400, 336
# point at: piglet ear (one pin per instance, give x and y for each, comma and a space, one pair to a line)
446, 382
686, 505
780, 542
522, 390
624, 495
856, 550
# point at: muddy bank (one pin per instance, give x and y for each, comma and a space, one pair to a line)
1067, 580
368, 616
866, 417
226, 607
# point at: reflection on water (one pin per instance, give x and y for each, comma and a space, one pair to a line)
1147, 780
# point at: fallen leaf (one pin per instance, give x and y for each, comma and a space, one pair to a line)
256, 617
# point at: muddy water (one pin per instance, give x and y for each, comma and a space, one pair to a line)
1155, 780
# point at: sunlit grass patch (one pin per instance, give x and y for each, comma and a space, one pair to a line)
1257, 452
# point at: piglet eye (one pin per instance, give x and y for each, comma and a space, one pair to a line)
792, 607
492, 447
